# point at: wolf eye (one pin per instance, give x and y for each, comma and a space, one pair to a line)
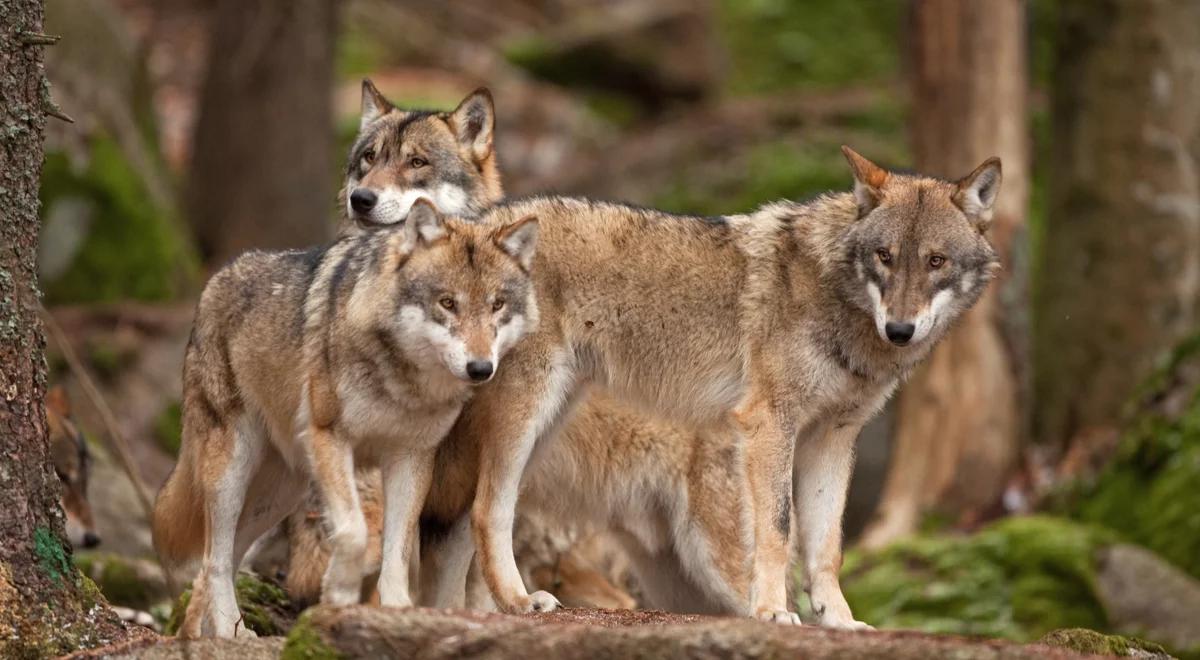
498, 305
369, 156
417, 162
936, 261
447, 303
885, 257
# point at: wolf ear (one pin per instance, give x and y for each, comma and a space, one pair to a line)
868, 180
977, 192
424, 223
473, 122
374, 105
519, 239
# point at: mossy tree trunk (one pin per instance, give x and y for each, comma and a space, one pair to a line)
1119, 275
46, 607
958, 419
262, 172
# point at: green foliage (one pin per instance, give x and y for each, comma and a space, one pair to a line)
1148, 491
1016, 579
780, 44
1082, 640
132, 250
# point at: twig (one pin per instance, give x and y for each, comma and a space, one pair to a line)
54, 111
117, 441
37, 39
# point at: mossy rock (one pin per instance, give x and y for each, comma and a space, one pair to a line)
1147, 493
266, 608
133, 583
304, 642
1017, 579
1082, 640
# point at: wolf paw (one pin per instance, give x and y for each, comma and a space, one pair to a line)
780, 616
542, 601
849, 624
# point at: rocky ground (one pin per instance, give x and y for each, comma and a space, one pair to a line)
370, 632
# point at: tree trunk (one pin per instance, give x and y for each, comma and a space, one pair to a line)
958, 418
1119, 278
262, 173
46, 607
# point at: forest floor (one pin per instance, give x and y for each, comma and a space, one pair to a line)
360, 632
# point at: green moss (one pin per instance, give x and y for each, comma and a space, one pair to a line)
780, 44
305, 643
1082, 640
266, 609
168, 428
1017, 579
1148, 493
132, 249
52, 555
119, 581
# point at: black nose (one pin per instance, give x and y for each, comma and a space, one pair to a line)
362, 200
479, 370
899, 333
90, 540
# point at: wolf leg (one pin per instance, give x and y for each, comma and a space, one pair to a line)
214, 609
512, 415
444, 575
769, 451
824, 463
274, 493
333, 469
406, 480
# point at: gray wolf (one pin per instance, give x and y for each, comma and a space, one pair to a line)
304, 364
776, 334
72, 464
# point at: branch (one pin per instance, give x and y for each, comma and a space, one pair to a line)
37, 38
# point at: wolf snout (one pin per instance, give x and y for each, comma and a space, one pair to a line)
362, 200
90, 540
480, 370
899, 333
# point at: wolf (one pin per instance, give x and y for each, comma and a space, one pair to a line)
774, 335
302, 364
73, 465
400, 156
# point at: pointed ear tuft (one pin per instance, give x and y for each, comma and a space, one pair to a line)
869, 180
424, 223
977, 192
519, 239
473, 122
374, 105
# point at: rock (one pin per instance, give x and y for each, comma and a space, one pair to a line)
266, 609
1083, 640
267, 648
1143, 594
358, 632
126, 581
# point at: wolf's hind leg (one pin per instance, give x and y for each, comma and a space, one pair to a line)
450, 557
333, 471
231, 458
525, 404
274, 493
406, 480
824, 463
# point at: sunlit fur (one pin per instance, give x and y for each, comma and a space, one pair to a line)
304, 364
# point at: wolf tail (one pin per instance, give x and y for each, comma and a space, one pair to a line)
178, 525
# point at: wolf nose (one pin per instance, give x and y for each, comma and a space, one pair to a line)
362, 200
90, 540
479, 370
899, 333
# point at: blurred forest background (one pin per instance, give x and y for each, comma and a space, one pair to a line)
1039, 472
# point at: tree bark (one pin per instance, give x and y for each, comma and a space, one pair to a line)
1119, 276
262, 173
958, 418
46, 607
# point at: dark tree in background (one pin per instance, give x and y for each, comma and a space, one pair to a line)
957, 420
1120, 270
262, 170
46, 607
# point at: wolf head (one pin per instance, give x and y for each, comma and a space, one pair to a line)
72, 463
401, 156
462, 296
917, 250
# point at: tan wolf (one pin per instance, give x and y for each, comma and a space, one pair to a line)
752, 331
73, 465
303, 364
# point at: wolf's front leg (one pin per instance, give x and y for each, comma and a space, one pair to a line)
769, 470
333, 471
824, 463
405, 484
525, 402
